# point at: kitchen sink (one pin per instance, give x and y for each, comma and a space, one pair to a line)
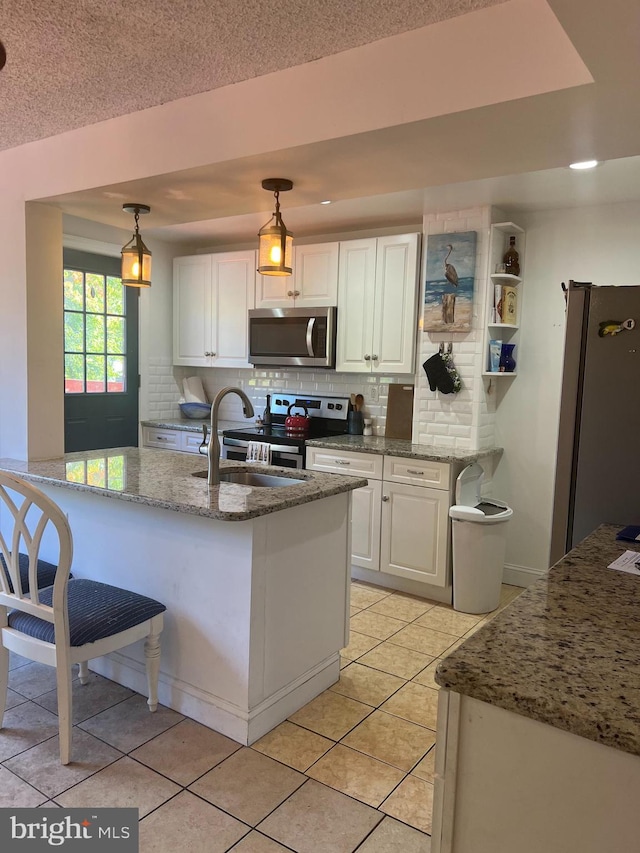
254, 478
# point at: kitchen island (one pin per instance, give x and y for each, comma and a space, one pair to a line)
255, 580
539, 717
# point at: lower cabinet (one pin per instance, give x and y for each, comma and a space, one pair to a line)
414, 536
171, 439
400, 520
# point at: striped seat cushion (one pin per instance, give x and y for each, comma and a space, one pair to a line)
46, 572
96, 611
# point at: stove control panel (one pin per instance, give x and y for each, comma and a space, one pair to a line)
332, 408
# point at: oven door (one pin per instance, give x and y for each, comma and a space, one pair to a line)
235, 449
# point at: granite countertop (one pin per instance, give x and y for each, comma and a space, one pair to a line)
162, 478
566, 652
195, 425
397, 447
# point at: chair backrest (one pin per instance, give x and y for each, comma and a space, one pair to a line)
30, 514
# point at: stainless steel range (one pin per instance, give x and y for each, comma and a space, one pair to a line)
327, 416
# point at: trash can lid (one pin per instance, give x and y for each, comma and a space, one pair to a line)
469, 485
486, 512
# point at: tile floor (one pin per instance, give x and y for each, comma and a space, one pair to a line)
352, 770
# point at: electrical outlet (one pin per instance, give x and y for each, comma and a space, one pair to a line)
373, 394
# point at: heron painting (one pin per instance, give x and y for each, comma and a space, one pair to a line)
450, 276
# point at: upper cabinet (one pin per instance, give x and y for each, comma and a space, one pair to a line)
314, 283
212, 295
504, 302
377, 299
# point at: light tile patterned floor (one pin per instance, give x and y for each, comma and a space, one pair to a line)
352, 770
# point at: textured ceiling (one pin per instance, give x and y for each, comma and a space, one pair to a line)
72, 63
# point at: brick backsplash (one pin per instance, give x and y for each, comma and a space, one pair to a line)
258, 383
163, 389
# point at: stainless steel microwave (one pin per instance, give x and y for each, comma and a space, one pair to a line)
297, 337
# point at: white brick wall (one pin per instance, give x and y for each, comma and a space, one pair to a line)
464, 420
258, 383
163, 389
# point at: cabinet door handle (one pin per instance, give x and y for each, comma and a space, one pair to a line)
374, 357
290, 293
367, 357
414, 471
161, 438
212, 353
342, 462
385, 498
296, 293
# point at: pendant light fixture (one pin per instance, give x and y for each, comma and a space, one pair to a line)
275, 249
136, 258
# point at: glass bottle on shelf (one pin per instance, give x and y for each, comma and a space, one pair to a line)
511, 258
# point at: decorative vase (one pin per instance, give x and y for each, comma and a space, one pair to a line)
507, 361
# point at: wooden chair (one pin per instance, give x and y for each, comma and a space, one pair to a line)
70, 622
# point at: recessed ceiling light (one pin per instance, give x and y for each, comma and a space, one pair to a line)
327, 201
585, 164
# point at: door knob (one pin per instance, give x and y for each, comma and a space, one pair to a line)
367, 358
385, 498
374, 357
290, 293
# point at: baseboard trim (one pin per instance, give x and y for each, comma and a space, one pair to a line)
521, 575
442, 594
241, 725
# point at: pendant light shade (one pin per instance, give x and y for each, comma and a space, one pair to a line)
276, 242
136, 258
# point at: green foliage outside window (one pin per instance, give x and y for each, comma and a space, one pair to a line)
94, 333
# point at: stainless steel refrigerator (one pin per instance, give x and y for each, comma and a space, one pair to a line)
598, 466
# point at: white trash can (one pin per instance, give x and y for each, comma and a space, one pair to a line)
479, 544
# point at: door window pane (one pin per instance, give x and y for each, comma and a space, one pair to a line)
74, 374
115, 334
73, 290
95, 374
95, 333
116, 373
73, 331
94, 292
115, 295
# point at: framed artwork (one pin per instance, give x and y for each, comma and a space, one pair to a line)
448, 290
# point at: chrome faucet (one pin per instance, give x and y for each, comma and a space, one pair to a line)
213, 449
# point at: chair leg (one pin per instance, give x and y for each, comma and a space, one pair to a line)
4, 678
152, 661
83, 671
63, 680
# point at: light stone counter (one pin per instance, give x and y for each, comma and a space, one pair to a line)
397, 447
163, 479
539, 717
566, 652
195, 424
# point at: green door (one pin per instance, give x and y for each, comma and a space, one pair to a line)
100, 354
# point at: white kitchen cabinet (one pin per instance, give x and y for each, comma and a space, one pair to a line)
414, 537
212, 295
366, 512
314, 283
168, 439
171, 439
377, 300
400, 520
